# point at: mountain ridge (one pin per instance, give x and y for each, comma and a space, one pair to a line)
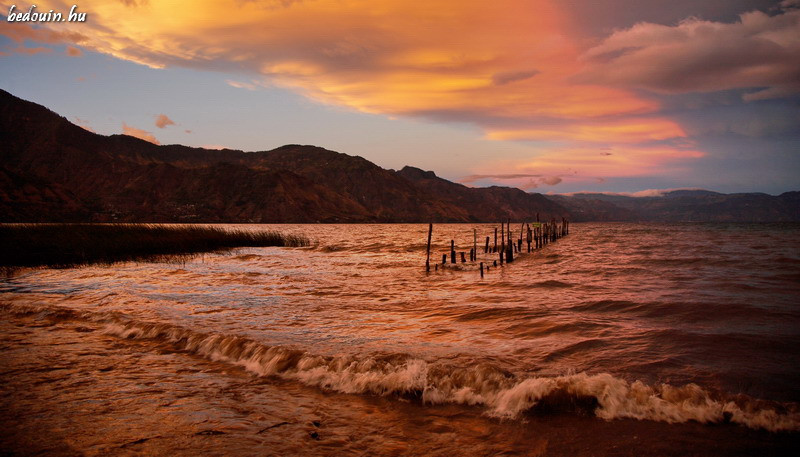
55, 171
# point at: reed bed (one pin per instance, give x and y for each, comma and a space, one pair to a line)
72, 245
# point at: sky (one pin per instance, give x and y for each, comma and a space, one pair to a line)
551, 96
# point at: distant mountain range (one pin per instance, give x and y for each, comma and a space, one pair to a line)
55, 171
684, 205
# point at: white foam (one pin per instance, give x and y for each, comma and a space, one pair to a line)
503, 395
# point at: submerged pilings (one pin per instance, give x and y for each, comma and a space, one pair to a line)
537, 235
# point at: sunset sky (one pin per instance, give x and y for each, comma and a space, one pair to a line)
548, 95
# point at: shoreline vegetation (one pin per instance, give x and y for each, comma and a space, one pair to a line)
74, 245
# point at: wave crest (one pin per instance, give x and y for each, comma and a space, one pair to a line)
501, 393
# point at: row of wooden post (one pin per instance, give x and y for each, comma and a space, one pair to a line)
536, 237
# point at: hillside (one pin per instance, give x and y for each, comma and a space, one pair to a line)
53, 170
684, 206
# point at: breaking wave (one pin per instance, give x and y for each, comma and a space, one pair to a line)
501, 393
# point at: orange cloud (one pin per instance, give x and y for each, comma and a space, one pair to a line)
73, 51
162, 121
503, 67
509, 68
627, 130
589, 163
138, 133
21, 32
613, 161
84, 124
30, 51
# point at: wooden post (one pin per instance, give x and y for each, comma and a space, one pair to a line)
428, 252
452, 251
474, 245
502, 237
486, 248
444, 259
481, 269
529, 238
494, 248
510, 249
463, 259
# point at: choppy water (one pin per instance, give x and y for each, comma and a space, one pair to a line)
602, 343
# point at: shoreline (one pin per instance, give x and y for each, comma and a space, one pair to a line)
74, 245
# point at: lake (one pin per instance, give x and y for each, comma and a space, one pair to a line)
619, 339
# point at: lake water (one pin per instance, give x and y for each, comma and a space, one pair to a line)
619, 339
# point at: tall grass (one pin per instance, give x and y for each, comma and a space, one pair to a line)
71, 245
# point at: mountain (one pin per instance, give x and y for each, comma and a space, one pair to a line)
684, 206
487, 203
53, 170
594, 209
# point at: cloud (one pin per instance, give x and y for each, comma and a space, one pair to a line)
551, 180
241, 85
29, 51
73, 51
84, 124
641, 193
618, 161
519, 72
473, 178
504, 69
525, 181
500, 79
19, 33
253, 84
759, 52
578, 162
162, 121
618, 130
138, 133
